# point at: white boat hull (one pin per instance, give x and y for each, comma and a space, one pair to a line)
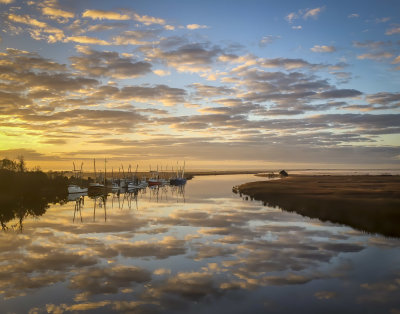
72, 189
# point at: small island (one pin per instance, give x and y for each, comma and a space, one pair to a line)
369, 203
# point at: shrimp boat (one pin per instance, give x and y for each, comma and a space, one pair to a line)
155, 179
180, 177
95, 187
75, 188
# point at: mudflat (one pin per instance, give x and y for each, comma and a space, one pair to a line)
365, 202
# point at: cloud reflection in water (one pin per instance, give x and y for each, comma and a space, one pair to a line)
207, 254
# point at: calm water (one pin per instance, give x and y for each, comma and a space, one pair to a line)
198, 250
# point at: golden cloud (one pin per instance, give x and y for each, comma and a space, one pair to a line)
105, 15
87, 40
57, 12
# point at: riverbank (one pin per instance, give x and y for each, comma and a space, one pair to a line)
364, 202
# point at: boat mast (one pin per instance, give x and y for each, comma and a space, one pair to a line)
105, 171
81, 174
94, 165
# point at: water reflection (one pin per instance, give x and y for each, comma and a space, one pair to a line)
16, 207
199, 254
367, 216
79, 202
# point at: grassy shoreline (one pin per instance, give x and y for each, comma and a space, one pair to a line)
365, 202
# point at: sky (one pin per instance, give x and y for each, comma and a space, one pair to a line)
217, 84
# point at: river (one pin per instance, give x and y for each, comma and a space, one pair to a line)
193, 249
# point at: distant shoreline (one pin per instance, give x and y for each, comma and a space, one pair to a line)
311, 172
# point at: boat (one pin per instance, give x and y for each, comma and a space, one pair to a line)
95, 187
154, 181
180, 177
73, 188
77, 175
177, 181
139, 185
155, 178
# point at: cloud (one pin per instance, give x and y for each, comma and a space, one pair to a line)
266, 40
137, 37
369, 44
392, 31
105, 27
291, 17
339, 93
304, 13
211, 91
29, 154
298, 27
195, 26
159, 93
161, 72
383, 101
187, 58
148, 20
169, 27
54, 12
312, 12
107, 63
286, 63
382, 20
318, 48
396, 60
86, 40
353, 16
6, 1
375, 55
38, 28
105, 15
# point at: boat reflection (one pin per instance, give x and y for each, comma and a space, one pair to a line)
79, 202
126, 198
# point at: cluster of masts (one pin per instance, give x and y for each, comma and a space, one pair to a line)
127, 180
